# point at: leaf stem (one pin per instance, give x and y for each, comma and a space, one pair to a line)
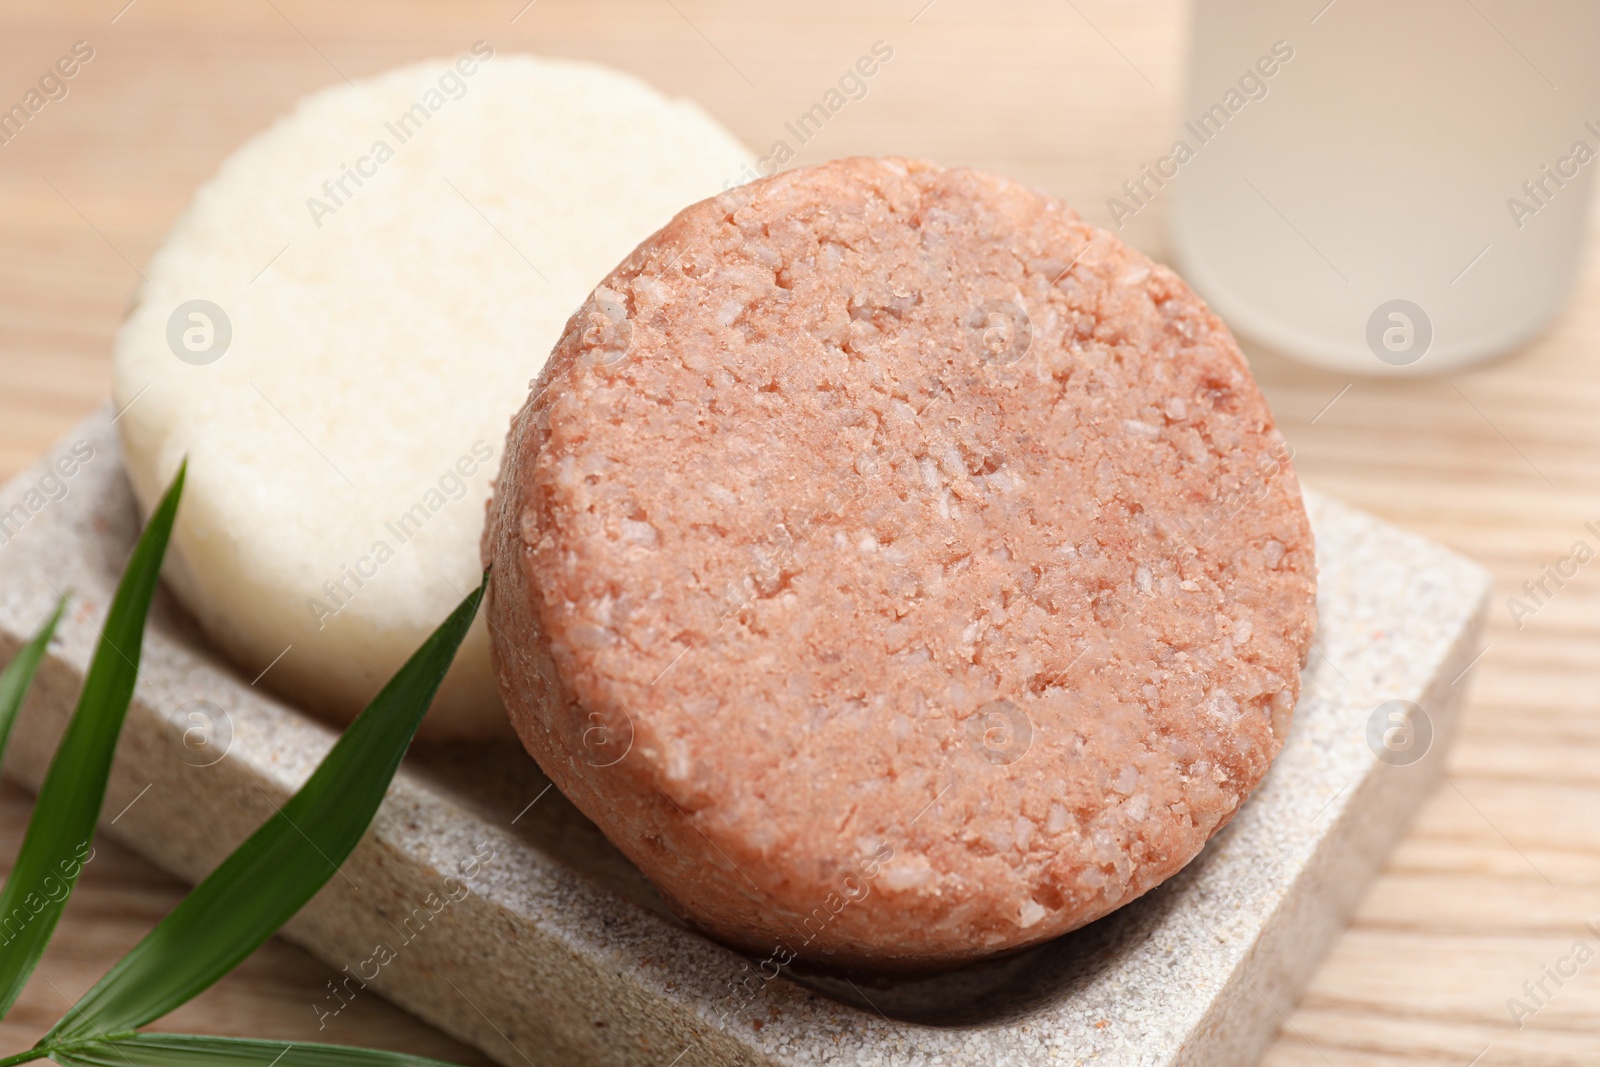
43, 1049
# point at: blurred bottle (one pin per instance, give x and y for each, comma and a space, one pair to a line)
1387, 187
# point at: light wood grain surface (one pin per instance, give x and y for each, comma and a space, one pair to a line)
1502, 869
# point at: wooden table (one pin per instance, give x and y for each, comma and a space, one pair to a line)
1501, 872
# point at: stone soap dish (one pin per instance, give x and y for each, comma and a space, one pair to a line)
546, 946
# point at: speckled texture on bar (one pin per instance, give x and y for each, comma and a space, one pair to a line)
561, 953
927, 651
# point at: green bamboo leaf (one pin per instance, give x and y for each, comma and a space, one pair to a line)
18, 675
69, 801
279, 867
187, 1050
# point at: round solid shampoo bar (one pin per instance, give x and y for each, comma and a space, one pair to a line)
897, 568
339, 328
